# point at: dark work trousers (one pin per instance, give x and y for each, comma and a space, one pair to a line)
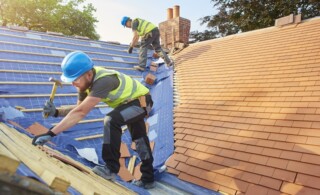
132, 115
152, 38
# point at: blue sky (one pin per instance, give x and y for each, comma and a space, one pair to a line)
110, 12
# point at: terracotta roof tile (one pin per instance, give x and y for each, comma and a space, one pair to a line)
291, 155
313, 159
264, 170
136, 172
181, 158
307, 148
36, 129
255, 189
251, 177
173, 171
226, 190
172, 162
284, 175
270, 183
124, 150
307, 180
125, 174
248, 112
304, 168
180, 150
291, 188
191, 179
271, 152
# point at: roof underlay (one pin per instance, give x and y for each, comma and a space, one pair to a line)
247, 119
27, 60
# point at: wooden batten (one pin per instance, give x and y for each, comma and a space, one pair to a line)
131, 164
54, 172
9, 163
55, 182
89, 137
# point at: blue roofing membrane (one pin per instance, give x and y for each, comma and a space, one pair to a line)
28, 57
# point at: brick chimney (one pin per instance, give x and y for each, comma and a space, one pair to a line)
175, 30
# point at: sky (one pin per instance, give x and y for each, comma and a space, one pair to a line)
110, 12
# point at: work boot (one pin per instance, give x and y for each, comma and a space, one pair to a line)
104, 172
140, 183
139, 68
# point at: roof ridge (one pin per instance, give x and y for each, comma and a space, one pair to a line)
262, 30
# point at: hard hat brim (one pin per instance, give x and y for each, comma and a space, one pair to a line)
68, 79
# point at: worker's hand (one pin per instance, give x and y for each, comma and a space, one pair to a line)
43, 138
49, 109
130, 50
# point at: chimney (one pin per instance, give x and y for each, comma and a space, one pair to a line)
176, 11
175, 30
169, 13
290, 19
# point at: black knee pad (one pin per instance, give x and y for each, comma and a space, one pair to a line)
106, 129
142, 149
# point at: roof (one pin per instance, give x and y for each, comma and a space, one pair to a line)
247, 112
27, 60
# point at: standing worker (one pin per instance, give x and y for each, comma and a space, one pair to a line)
150, 35
131, 102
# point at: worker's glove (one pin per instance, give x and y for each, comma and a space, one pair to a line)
49, 109
43, 138
130, 49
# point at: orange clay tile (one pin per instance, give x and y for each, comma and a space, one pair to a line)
248, 120
37, 129
136, 172
124, 150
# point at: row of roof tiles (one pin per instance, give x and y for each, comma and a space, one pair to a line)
247, 115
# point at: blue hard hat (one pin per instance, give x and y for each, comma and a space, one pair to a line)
124, 20
74, 65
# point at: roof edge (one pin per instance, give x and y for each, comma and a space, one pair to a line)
254, 31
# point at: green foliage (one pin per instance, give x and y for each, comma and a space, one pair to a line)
65, 16
196, 36
236, 16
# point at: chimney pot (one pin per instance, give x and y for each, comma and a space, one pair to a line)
169, 13
176, 11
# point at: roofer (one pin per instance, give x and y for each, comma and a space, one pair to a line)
131, 102
150, 35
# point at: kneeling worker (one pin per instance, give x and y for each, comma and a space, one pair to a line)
131, 102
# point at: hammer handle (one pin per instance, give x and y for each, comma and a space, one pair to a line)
53, 93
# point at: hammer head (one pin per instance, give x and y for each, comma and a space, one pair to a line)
57, 82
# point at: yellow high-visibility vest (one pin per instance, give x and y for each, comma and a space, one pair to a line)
144, 27
128, 88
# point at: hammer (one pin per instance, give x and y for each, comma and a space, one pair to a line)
56, 83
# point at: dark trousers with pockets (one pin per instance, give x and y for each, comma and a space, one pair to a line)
152, 38
132, 115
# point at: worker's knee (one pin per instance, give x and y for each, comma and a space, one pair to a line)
143, 149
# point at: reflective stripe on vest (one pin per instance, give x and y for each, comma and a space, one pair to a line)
144, 27
128, 88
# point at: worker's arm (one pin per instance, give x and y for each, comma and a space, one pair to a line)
134, 41
135, 38
79, 102
50, 109
55, 112
73, 117
76, 114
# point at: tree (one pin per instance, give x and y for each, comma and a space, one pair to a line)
62, 16
236, 16
196, 36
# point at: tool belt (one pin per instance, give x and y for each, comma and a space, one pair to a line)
143, 100
149, 34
